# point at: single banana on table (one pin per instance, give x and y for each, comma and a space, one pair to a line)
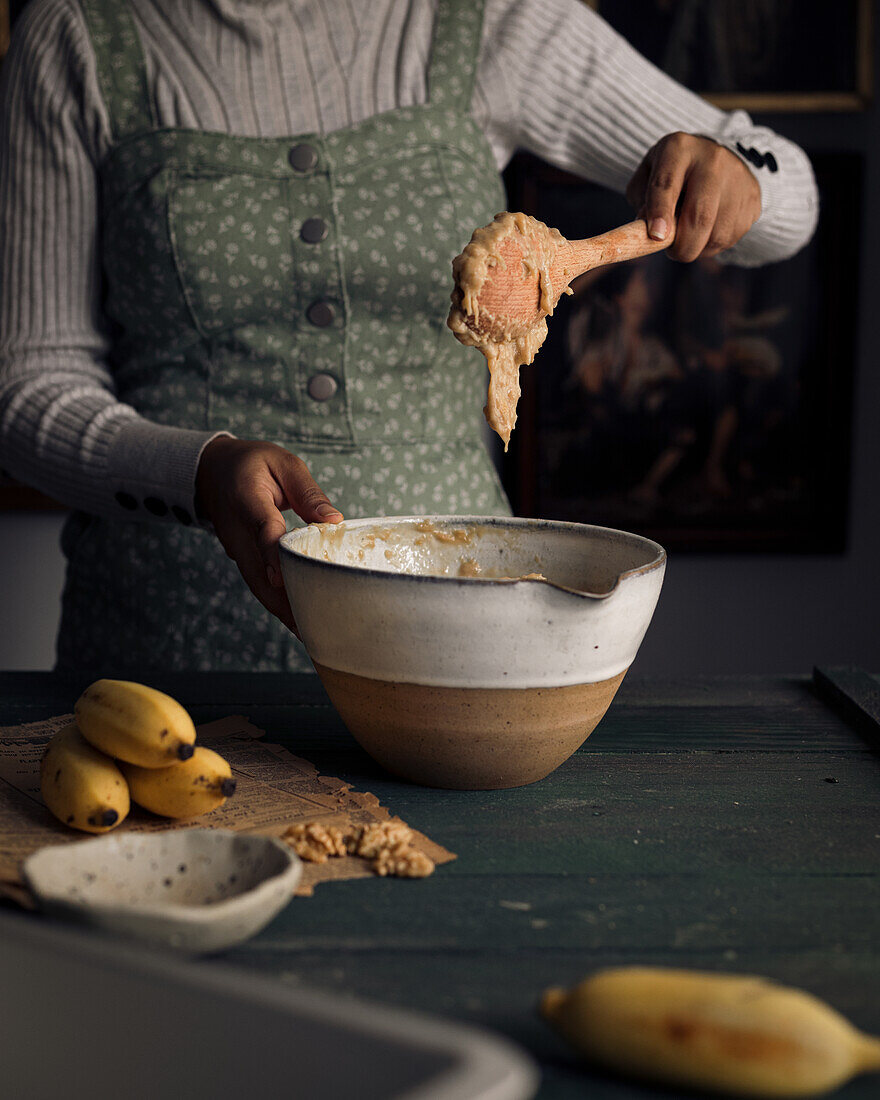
728, 1033
135, 723
80, 785
193, 787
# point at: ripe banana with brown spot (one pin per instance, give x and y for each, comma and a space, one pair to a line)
195, 786
135, 723
728, 1033
80, 785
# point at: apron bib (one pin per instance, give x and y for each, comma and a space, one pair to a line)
293, 290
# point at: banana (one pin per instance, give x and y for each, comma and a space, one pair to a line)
729, 1033
81, 786
194, 787
135, 723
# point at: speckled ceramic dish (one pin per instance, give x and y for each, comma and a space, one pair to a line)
194, 890
470, 652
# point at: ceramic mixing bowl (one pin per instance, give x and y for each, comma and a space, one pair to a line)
470, 652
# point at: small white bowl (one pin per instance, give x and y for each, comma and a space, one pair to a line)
193, 890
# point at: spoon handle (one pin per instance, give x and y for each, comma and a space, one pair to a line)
627, 242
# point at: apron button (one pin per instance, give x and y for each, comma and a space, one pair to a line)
156, 506
322, 387
303, 158
321, 314
313, 230
126, 501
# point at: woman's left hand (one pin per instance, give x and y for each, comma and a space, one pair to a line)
703, 189
242, 485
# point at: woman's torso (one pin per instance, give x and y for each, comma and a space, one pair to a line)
291, 289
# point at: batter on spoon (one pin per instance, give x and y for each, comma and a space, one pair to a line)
508, 341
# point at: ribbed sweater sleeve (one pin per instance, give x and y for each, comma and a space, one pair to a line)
62, 428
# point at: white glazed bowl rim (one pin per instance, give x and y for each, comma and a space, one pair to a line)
287, 545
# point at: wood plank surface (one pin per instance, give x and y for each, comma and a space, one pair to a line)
724, 824
711, 713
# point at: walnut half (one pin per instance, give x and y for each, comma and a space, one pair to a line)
409, 863
386, 844
314, 842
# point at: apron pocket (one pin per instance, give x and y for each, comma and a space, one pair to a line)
230, 237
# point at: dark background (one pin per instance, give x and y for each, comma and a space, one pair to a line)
744, 46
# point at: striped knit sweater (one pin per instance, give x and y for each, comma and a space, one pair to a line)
552, 78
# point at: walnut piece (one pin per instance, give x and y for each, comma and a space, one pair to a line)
374, 839
387, 844
314, 842
405, 863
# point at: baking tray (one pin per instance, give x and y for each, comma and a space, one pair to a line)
83, 1015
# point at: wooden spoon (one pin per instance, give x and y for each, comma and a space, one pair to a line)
508, 280
512, 298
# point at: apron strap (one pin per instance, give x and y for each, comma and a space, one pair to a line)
122, 71
458, 27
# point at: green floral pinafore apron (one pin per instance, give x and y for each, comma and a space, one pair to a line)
291, 290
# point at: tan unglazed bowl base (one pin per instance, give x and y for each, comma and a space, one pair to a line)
467, 738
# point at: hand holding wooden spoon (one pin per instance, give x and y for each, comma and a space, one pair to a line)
698, 199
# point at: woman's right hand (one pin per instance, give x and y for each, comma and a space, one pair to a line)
241, 487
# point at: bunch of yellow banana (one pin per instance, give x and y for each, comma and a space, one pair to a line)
727, 1033
129, 742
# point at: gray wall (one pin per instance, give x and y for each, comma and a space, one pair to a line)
717, 614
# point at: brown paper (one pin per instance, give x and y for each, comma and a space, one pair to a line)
274, 790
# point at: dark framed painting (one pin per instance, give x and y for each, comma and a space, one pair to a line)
705, 405
761, 55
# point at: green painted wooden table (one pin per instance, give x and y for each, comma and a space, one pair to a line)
726, 823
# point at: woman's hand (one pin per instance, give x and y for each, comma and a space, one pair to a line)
241, 487
703, 189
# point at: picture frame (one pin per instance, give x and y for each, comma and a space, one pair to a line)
759, 55
4, 28
703, 405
